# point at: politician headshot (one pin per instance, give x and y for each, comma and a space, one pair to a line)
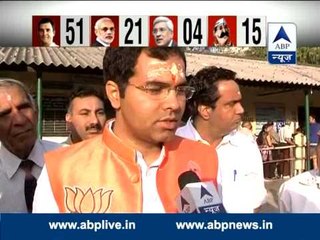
221, 33
46, 32
105, 31
162, 32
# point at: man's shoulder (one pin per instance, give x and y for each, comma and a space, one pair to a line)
240, 139
53, 44
75, 150
180, 142
181, 130
49, 145
185, 150
96, 44
185, 131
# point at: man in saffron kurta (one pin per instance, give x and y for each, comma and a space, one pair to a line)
135, 164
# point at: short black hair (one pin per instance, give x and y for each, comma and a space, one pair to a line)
46, 20
119, 63
313, 115
82, 92
206, 84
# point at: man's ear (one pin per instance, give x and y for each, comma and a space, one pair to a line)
67, 117
204, 111
113, 94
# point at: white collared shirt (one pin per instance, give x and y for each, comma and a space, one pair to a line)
102, 42
240, 173
53, 44
44, 201
12, 178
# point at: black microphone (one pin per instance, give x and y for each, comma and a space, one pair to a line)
187, 177
197, 196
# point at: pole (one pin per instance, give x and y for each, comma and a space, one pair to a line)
39, 104
307, 127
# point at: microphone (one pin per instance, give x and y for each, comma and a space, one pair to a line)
197, 196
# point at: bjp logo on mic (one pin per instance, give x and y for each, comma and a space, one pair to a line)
79, 201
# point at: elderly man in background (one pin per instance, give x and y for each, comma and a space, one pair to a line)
21, 153
105, 32
163, 32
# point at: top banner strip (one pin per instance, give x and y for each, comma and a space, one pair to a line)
16, 24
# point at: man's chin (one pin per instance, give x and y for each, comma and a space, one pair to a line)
161, 44
93, 134
222, 41
108, 41
167, 136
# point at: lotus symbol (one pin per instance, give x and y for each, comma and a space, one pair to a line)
79, 201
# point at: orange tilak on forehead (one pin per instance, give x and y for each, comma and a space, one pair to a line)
174, 72
158, 70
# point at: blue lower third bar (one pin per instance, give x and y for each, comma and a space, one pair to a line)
158, 226
282, 57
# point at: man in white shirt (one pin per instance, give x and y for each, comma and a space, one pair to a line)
216, 112
21, 153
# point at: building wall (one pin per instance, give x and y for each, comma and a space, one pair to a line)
287, 103
283, 105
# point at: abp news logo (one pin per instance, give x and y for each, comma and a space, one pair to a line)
282, 43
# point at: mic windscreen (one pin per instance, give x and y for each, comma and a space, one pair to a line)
186, 178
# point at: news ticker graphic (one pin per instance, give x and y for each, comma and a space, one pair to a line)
158, 226
193, 31
282, 43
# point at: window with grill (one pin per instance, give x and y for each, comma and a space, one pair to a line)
53, 116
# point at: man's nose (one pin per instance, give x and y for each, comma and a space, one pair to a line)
240, 109
173, 101
18, 117
93, 118
158, 33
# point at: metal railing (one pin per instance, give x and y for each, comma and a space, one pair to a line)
294, 154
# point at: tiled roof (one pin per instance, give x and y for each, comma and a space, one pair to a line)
91, 58
83, 57
259, 71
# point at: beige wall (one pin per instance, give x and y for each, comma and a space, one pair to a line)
61, 84
289, 101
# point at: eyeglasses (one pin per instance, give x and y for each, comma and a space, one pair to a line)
161, 91
160, 30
